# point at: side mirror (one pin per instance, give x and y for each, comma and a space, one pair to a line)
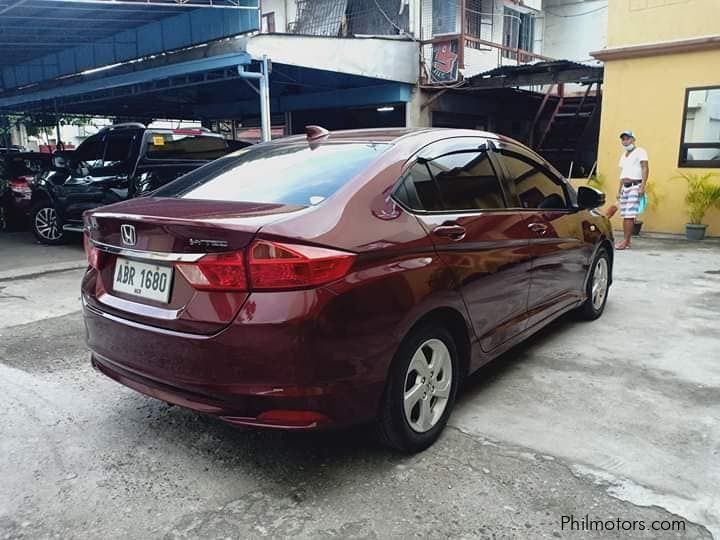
589, 198
60, 162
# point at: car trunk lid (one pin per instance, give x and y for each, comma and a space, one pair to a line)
154, 236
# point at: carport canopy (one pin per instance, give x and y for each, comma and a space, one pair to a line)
163, 59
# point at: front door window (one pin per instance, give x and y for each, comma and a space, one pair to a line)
534, 186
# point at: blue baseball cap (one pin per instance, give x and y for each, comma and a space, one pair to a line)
627, 133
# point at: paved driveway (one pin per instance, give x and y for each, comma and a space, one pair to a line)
619, 418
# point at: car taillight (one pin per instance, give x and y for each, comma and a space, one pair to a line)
21, 184
92, 253
221, 272
275, 266
269, 266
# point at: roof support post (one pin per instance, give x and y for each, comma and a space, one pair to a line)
265, 99
263, 79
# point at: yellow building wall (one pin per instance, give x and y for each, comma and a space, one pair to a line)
634, 22
647, 95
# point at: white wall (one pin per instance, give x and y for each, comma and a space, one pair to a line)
477, 62
572, 28
532, 4
386, 59
285, 12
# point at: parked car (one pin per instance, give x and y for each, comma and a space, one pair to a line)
119, 162
17, 174
350, 277
13, 148
238, 145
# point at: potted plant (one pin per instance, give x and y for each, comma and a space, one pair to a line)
702, 194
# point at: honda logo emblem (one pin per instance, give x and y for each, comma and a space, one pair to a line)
127, 235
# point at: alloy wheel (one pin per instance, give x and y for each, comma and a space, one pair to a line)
46, 223
428, 382
600, 283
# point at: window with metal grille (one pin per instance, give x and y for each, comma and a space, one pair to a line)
479, 18
519, 33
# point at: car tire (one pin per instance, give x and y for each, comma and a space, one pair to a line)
420, 391
597, 288
46, 225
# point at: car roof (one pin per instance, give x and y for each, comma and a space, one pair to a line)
393, 135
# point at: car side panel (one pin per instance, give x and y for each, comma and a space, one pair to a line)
341, 338
560, 263
491, 267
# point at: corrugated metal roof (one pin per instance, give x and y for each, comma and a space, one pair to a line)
538, 67
45, 39
33, 28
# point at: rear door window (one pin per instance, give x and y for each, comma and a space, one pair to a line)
119, 150
467, 181
185, 145
276, 173
461, 181
419, 190
90, 153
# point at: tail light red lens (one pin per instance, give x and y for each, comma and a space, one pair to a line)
281, 266
92, 253
269, 266
21, 184
220, 272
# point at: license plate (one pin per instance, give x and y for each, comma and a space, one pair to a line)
148, 281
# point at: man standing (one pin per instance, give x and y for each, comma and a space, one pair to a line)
634, 172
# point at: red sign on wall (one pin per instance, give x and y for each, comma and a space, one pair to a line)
444, 62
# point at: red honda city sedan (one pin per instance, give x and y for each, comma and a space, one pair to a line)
339, 278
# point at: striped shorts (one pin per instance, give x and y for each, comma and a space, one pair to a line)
629, 201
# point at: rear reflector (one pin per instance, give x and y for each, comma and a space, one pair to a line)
270, 266
92, 253
293, 418
282, 266
220, 272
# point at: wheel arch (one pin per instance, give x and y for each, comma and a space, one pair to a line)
455, 323
607, 244
40, 196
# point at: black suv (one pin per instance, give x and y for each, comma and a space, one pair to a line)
119, 162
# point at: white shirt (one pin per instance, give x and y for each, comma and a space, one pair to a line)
630, 164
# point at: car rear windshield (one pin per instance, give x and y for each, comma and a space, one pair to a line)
282, 173
196, 146
27, 166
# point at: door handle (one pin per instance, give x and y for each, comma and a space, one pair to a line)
453, 232
539, 228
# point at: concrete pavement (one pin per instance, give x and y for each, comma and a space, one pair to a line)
619, 418
22, 255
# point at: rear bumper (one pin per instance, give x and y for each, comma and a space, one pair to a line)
268, 376
235, 409
22, 204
